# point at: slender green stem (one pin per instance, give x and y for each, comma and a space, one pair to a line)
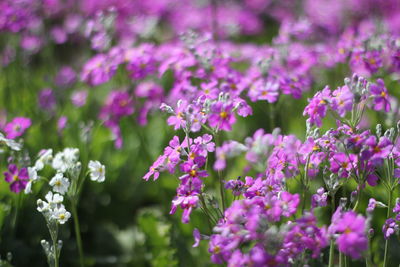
332, 244
206, 211
221, 189
358, 200
77, 233
53, 229
385, 257
271, 113
17, 205
55, 251
221, 181
342, 260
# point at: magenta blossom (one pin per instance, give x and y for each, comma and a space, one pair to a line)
222, 116
18, 179
351, 229
17, 127
380, 96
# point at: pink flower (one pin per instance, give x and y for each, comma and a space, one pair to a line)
17, 127
17, 179
380, 95
222, 116
351, 228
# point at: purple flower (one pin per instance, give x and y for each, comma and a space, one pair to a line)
98, 70
389, 228
65, 77
31, 43
236, 186
372, 60
47, 99
154, 169
380, 96
187, 203
222, 116
371, 205
343, 164
375, 151
140, 61
59, 35
342, 100
17, 127
318, 106
178, 120
320, 198
18, 179
78, 98
197, 237
269, 92
61, 124
289, 203
117, 105
351, 229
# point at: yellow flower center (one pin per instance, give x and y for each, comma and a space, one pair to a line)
223, 115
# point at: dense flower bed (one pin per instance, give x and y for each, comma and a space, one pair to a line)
271, 128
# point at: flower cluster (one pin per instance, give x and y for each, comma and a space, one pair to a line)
264, 225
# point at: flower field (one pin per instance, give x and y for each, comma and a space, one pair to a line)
199, 133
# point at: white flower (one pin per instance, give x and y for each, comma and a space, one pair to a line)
97, 171
42, 206
10, 143
33, 177
71, 154
59, 183
45, 157
61, 215
66, 159
54, 198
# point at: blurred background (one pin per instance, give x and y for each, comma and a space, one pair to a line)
125, 221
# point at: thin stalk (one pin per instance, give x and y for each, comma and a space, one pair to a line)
332, 244
385, 257
358, 200
271, 113
305, 184
221, 189
206, 211
53, 228
17, 204
77, 233
55, 248
221, 181
342, 260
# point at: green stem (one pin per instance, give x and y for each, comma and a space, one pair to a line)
55, 251
17, 204
53, 229
221, 181
271, 113
77, 233
206, 211
221, 189
342, 260
385, 257
358, 200
332, 244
